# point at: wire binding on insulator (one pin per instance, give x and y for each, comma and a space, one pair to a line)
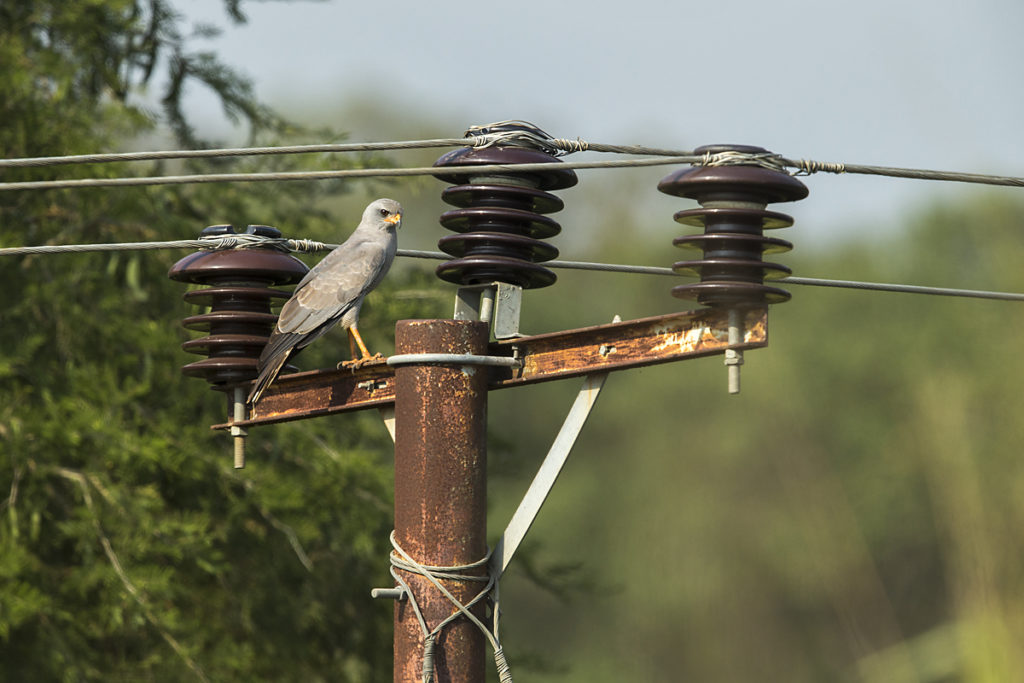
500, 217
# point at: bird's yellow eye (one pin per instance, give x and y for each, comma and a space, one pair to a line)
384, 212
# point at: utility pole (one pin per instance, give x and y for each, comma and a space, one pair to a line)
440, 492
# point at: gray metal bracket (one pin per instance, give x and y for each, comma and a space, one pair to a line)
497, 303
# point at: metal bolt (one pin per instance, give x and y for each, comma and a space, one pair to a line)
238, 434
372, 385
395, 593
734, 357
486, 304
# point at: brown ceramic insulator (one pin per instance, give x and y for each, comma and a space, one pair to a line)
499, 195
500, 217
739, 269
731, 293
238, 318
495, 256
732, 244
732, 269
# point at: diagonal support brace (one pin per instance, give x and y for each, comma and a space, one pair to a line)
548, 472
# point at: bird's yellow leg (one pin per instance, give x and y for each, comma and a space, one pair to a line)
351, 344
354, 336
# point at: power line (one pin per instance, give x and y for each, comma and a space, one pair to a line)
244, 240
36, 162
79, 183
772, 162
806, 281
554, 146
808, 167
115, 246
905, 289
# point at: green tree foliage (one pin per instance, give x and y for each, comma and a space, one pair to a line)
129, 547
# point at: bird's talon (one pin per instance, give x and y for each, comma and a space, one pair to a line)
357, 363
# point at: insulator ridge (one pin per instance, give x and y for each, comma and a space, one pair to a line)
239, 319
500, 218
732, 269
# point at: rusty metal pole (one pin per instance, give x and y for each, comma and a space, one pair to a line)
440, 491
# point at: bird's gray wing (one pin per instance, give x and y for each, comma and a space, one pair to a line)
334, 285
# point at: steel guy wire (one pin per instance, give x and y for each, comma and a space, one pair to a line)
248, 241
401, 560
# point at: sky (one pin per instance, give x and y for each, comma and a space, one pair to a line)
916, 83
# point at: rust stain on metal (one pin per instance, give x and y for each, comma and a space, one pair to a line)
686, 341
756, 326
629, 344
557, 355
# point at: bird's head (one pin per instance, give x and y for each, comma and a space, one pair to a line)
384, 213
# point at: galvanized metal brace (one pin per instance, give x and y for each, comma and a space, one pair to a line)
546, 475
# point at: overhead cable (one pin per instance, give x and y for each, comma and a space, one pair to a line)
35, 162
331, 175
802, 167
479, 136
476, 137
905, 289
245, 240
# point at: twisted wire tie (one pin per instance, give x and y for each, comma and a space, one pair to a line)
250, 241
492, 134
566, 146
807, 166
242, 241
504, 673
429, 645
402, 560
552, 146
306, 246
767, 160
771, 161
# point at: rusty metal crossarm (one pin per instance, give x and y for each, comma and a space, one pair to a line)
544, 357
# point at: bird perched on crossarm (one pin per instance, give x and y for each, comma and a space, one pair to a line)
332, 291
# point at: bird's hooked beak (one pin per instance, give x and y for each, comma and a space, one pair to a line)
394, 220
